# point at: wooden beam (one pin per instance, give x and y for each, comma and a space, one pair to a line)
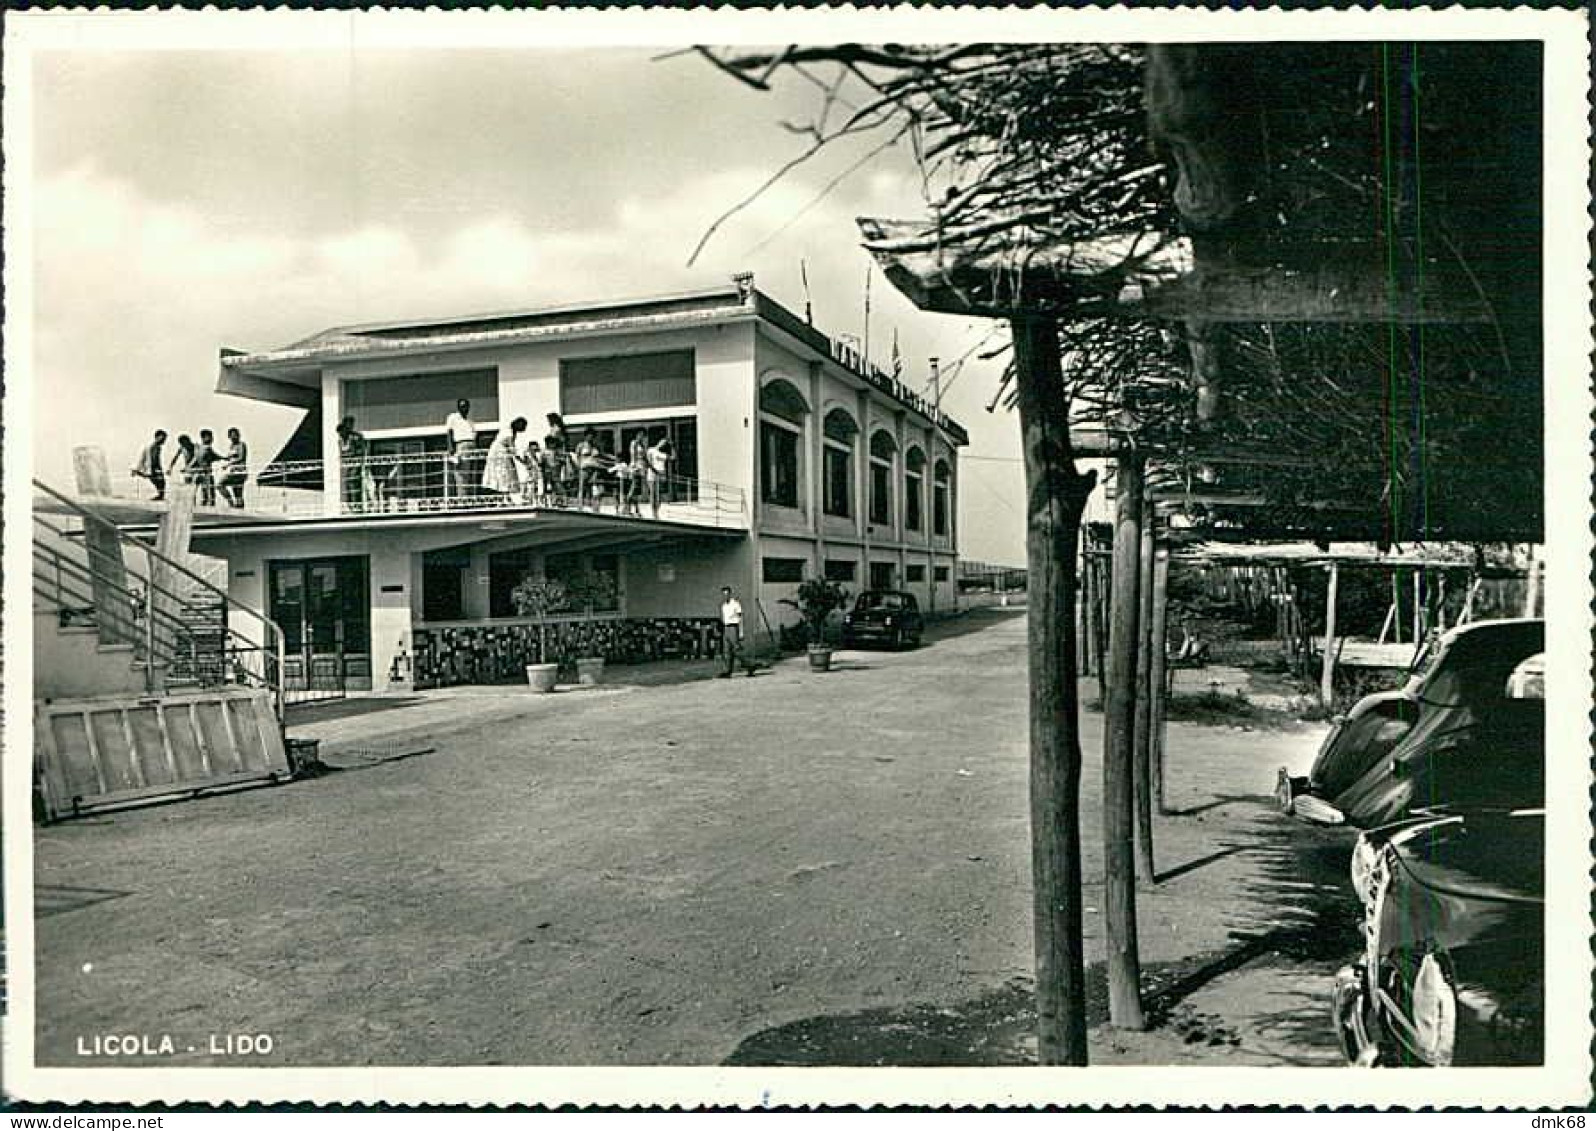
1339, 290
1119, 750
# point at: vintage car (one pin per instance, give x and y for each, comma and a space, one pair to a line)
1453, 700
883, 616
1454, 965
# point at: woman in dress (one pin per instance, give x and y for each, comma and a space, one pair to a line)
499, 476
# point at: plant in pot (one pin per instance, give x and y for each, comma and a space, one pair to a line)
538, 597
588, 592
816, 600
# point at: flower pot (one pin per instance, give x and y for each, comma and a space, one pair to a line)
542, 677
589, 670
820, 657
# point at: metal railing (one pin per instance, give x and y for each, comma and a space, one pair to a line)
179, 624
438, 483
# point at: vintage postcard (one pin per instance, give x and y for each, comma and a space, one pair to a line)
916, 556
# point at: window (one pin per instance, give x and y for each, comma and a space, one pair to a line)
421, 401
839, 480
881, 575
505, 572
839, 570
411, 467
593, 580
913, 489
940, 492
914, 573
616, 440
882, 450
778, 464
616, 384
443, 575
780, 571
837, 469
940, 573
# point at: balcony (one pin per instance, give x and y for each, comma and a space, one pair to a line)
390, 487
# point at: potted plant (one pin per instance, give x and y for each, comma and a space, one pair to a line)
586, 593
538, 597
817, 599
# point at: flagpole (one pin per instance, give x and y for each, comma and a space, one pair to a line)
870, 267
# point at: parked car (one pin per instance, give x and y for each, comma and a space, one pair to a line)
1455, 685
1453, 973
883, 616
1499, 761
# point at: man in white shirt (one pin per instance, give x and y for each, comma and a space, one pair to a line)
731, 633
462, 435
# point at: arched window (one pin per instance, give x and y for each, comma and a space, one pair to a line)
782, 411
914, 490
941, 498
838, 442
882, 450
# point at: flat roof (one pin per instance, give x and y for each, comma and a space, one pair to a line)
275, 375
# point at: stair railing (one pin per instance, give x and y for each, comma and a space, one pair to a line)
153, 621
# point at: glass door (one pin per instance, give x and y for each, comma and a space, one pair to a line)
324, 609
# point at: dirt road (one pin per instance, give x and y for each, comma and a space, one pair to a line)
794, 868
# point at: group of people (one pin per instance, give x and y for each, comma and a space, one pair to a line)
561, 473
198, 464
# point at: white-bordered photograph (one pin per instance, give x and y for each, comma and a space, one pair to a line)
773, 558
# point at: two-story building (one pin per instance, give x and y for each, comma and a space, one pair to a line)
792, 459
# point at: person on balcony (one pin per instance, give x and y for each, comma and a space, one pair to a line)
462, 435
556, 459
235, 469
149, 465
185, 462
359, 489
529, 471
205, 459
589, 468
660, 456
499, 476
637, 467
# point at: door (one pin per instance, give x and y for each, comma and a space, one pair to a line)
323, 606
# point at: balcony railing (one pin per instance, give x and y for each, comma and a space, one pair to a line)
434, 483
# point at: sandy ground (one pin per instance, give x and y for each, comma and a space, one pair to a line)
789, 869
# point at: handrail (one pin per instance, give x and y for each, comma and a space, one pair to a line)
424, 481
270, 646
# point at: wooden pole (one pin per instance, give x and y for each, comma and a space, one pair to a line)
1056, 494
1418, 605
1160, 674
1327, 674
1100, 628
1084, 654
1142, 768
1119, 753
1532, 588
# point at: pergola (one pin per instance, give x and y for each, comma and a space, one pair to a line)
1306, 280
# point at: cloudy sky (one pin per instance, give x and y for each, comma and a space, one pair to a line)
185, 201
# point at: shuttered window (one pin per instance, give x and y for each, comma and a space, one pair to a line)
421, 401
634, 381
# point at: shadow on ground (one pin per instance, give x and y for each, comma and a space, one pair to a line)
1296, 913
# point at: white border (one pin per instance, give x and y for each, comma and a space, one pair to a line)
1565, 1079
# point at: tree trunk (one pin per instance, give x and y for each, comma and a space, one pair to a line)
1142, 768
1119, 752
1160, 676
1056, 498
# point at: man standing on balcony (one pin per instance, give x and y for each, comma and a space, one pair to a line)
149, 465
357, 482
462, 434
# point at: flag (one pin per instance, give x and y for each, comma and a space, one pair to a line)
897, 358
